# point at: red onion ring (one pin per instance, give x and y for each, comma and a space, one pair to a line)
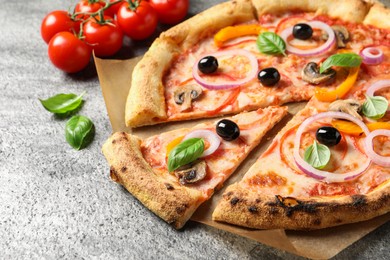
368, 142
384, 83
311, 52
370, 58
227, 85
326, 176
210, 136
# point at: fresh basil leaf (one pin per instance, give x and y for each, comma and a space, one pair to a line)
342, 60
271, 43
317, 155
185, 153
375, 107
62, 103
79, 131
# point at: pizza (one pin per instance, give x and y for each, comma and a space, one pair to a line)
143, 166
328, 166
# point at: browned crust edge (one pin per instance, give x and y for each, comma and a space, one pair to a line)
378, 16
247, 208
347, 10
174, 204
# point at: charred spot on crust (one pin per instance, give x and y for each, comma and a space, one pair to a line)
359, 200
181, 209
291, 204
113, 174
273, 211
169, 186
124, 169
317, 222
257, 200
113, 141
252, 209
234, 201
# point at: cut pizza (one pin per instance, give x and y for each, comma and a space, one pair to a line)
174, 172
329, 165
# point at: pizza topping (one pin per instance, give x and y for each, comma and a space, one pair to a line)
212, 139
372, 56
208, 65
251, 74
271, 43
317, 155
227, 130
285, 34
375, 157
349, 106
232, 32
326, 95
328, 136
302, 31
184, 153
375, 107
312, 75
349, 59
185, 95
353, 129
342, 35
191, 173
385, 83
325, 175
269, 76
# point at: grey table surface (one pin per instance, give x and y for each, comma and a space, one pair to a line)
56, 202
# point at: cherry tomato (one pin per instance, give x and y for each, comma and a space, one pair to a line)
137, 19
57, 21
170, 11
113, 10
68, 53
105, 39
88, 6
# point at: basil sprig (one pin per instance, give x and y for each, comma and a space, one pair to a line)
79, 131
62, 104
271, 43
375, 107
185, 153
317, 155
342, 60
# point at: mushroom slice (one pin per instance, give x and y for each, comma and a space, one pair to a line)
349, 106
184, 95
312, 74
342, 35
192, 172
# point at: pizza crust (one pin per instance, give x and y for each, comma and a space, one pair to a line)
173, 203
378, 16
347, 10
146, 102
247, 208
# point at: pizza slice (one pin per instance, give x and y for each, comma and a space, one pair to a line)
325, 168
174, 172
216, 63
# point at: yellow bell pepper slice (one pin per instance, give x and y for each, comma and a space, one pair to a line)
325, 95
173, 144
232, 32
353, 129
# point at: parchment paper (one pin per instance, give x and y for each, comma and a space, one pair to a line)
115, 79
